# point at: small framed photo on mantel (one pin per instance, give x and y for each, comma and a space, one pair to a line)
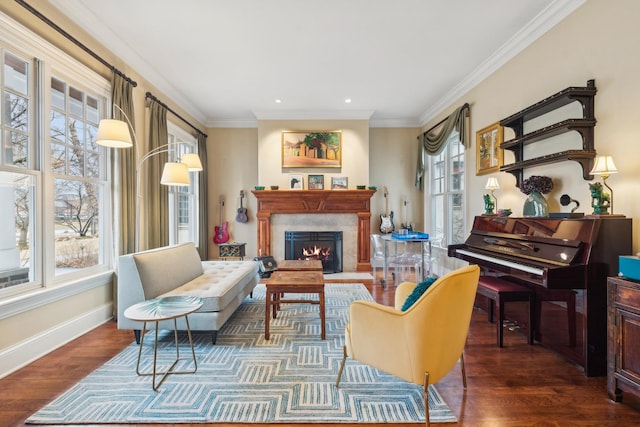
339, 183
296, 182
315, 182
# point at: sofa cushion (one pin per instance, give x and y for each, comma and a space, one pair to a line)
167, 268
220, 283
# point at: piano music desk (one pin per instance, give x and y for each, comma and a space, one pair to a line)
500, 291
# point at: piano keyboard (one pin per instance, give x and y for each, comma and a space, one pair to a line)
521, 267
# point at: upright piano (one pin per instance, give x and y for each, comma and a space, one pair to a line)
566, 262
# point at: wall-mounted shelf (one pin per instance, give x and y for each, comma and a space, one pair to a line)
584, 126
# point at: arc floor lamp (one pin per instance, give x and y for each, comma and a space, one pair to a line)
115, 133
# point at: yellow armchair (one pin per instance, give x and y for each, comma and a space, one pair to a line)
420, 345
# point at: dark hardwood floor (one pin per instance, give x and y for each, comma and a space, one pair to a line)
517, 385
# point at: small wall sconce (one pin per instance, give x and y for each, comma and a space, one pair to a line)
604, 167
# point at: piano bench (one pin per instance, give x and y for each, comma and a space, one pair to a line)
500, 291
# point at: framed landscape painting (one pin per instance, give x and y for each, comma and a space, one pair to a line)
489, 156
319, 149
339, 183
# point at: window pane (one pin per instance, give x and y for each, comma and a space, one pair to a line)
16, 75
77, 240
17, 153
16, 110
58, 94
76, 153
58, 158
17, 219
458, 234
76, 102
58, 126
93, 111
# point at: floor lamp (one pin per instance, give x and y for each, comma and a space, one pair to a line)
117, 134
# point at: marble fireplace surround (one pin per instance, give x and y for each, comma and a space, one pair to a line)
348, 211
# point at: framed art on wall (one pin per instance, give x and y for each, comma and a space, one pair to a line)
489, 156
318, 149
315, 182
339, 183
296, 182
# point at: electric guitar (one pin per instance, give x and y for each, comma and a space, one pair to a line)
242, 212
221, 234
386, 220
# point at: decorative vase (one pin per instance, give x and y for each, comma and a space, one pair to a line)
535, 205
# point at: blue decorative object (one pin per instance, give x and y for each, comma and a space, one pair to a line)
420, 289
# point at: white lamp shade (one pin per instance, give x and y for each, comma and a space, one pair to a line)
175, 174
604, 166
492, 184
192, 160
113, 133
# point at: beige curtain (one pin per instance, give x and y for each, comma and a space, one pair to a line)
124, 166
203, 212
433, 142
155, 221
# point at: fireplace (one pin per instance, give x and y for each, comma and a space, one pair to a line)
325, 246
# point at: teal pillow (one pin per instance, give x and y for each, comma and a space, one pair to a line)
420, 289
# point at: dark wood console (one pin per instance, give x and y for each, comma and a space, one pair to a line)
623, 360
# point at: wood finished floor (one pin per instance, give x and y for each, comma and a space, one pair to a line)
518, 385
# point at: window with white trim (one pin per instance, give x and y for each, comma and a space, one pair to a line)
446, 188
53, 177
183, 200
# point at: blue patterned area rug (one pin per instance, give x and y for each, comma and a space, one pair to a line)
245, 379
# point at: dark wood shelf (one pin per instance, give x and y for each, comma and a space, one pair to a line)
584, 126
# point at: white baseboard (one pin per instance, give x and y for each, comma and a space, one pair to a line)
20, 355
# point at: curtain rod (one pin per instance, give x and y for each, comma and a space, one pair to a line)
466, 105
75, 41
149, 95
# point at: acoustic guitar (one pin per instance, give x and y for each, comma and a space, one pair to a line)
221, 234
386, 220
241, 216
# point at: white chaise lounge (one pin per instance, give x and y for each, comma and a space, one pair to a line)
178, 270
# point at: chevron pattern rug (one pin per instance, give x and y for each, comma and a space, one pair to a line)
245, 379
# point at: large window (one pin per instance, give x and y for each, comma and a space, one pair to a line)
183, 200
446, 175
53, 180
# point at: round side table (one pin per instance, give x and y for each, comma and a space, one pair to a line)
159, 309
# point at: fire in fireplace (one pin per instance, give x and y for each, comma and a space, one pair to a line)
325, 246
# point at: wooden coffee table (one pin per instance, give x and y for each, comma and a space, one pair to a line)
293, 282
300, 265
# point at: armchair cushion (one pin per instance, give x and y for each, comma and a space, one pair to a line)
417, 293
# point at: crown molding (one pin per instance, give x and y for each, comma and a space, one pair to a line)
543, 22
232, 123
394, 123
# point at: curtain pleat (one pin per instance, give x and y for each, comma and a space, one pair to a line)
434, 142
203, 210
124, 167
155, 221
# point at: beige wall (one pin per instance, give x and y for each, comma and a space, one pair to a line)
599, 41
242, 158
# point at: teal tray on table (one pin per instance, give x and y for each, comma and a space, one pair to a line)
415, 235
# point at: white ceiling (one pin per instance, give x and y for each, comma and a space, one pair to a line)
401, 62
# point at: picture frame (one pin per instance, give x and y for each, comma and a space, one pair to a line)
315, 182
339, 183
311, 149
296, 182
489, 155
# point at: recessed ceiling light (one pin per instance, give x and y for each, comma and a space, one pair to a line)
347, 101
278, 101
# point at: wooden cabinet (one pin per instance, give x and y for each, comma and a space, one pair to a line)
623, 362
583, 125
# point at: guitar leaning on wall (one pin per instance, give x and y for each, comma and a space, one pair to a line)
386, 220
242, 212
221, 234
